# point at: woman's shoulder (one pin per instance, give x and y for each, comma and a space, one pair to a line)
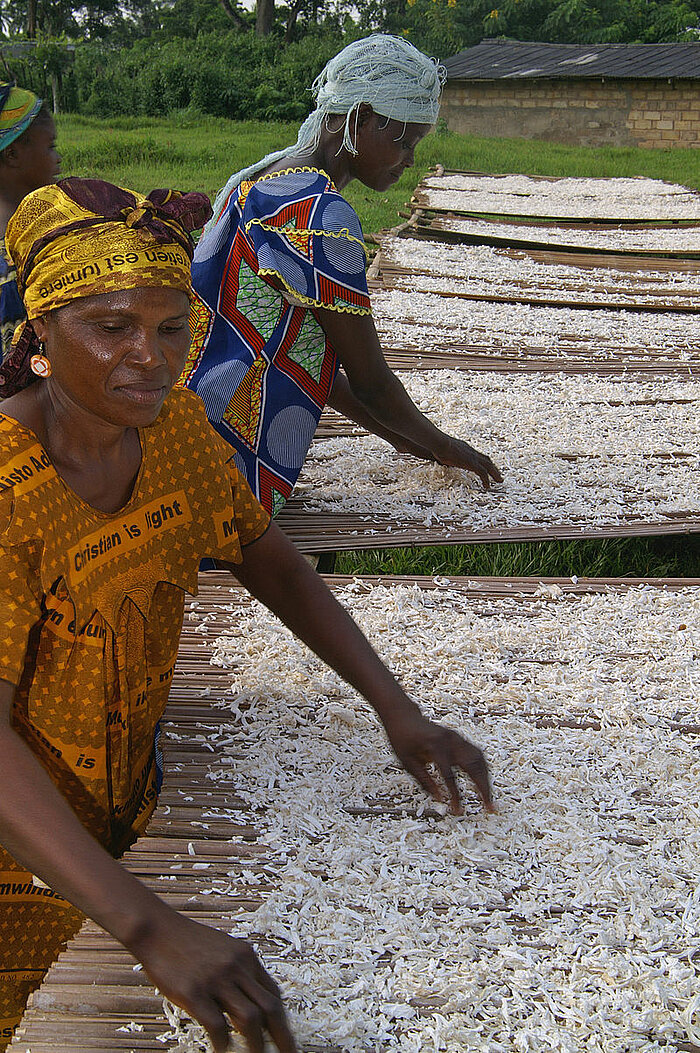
293, 175
292, 182
24, 469
304, 198
16, 440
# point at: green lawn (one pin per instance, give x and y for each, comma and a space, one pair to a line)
201, 154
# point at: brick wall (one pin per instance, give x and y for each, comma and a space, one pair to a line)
651, 113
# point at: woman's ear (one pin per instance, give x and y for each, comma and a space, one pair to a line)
10, 156
40, 328
364, 114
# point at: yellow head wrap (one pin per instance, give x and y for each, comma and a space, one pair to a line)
84, 237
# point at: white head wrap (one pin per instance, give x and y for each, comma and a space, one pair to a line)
397, 80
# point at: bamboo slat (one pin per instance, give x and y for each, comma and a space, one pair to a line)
536, 359
318, 532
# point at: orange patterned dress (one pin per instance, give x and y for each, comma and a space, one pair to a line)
92, 607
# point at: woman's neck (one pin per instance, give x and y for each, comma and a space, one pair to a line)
333, 158
99, 461
330, 156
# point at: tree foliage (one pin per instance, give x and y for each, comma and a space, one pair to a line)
217, 57
443, 27
117, 20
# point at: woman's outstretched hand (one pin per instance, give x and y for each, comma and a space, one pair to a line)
456, 454
459, 454
213, 976
425, 748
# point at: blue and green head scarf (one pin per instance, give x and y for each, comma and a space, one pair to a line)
18, 108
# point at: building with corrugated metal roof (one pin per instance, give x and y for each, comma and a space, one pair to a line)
586, 95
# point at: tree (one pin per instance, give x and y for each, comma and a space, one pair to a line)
442, 27
264, 17
91, 20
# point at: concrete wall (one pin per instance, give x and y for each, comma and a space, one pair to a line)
651, 113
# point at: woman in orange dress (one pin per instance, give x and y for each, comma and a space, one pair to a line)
112, 488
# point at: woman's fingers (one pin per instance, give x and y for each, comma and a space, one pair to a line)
446, 751
212, 1019
469, 758
216, 978
423, 777
465, 456
484, 467
492, 472
266, 996
252, 1008
247, 1018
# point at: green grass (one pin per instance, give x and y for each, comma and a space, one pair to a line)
199, 153
185, 153
662, 557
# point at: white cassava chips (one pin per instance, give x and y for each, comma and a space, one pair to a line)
487, 271
573, 449
567, 922
640, 239
589, 199
427, 320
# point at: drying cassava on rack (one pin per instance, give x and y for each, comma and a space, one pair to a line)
567, 921
484, 272
583, 456
599, 201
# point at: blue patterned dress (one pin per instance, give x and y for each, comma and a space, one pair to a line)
259, 359
11, 306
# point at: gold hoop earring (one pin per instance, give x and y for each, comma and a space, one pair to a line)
39, 364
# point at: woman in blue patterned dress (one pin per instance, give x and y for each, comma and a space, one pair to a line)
28, 160
279, 275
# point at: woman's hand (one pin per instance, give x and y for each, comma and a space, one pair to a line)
455, 453
460, 454
373, 396
211, 976
421, 745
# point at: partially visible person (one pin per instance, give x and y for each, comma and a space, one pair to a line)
112, 488
282, 299
28, 159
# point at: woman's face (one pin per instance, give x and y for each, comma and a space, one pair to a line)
384, 148
38, 158
116, 356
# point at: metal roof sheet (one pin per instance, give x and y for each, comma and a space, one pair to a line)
503, 59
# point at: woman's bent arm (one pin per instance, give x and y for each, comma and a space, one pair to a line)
371, 381
279, 576
342, 399
204, 971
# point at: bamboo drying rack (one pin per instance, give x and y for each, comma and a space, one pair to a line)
93, 999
